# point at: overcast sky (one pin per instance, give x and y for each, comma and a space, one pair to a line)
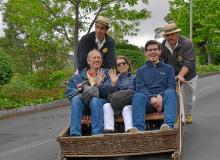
158, 8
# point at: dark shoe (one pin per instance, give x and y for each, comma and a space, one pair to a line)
108, 131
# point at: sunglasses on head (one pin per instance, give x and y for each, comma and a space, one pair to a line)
122, 63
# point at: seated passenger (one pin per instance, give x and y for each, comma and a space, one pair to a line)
155, 89
121, 79
96, 77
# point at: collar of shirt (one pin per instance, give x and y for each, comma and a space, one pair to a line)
151, 64
100, 44
169, 47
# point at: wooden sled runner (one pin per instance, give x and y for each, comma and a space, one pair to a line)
125, 144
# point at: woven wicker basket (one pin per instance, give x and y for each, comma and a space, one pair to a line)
119, 144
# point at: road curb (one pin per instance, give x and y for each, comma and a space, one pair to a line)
208, 74
35, 108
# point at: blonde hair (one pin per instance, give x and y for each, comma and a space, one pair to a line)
126, 60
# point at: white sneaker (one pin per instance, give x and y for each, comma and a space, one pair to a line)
133, 130
164, 127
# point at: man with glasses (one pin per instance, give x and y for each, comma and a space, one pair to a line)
97, 40
155, 90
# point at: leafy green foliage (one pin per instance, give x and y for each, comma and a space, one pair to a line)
133, 53
48, 79
24, 90
206, 32
204, 69
6, 68
50, 28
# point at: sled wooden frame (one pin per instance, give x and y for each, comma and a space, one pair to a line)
124, 144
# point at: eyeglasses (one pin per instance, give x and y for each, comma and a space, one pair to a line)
153, 49
122, 63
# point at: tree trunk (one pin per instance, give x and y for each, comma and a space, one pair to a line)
208, 51
76, 33
209, 57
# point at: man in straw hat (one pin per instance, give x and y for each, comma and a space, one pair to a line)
179, 52
97, 40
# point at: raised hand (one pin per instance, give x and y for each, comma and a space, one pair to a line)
100, 77
113, 76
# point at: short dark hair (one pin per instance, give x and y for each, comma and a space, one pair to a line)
152, 42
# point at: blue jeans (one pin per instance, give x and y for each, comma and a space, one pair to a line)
77, 107
141, 106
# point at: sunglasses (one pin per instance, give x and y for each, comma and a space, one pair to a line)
122, 63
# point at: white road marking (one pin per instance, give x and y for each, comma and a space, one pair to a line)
25, 147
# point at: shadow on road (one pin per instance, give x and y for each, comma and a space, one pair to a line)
164, 156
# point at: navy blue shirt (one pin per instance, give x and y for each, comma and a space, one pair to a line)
125, 81
153, 79
72, 89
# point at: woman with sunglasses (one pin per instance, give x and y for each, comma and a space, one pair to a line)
121, 79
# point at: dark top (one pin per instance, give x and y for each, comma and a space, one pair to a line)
183, 55
153, 79
87, 43
72, 83
125, 81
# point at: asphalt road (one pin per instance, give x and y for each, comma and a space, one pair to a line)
33, 136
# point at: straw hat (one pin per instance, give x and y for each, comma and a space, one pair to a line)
103, 20
170, 28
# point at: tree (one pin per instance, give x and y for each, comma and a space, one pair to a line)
205, 23
43, 22
6, 69
14, 47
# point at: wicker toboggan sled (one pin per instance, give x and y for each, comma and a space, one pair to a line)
124, 144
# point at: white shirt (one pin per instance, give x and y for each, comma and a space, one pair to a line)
100, 44
169, 47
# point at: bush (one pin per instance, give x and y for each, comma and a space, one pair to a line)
203, 69
47, 79
127, 46
6, 68
136, 58
134, 54
20, 93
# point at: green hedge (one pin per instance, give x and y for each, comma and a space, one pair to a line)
126, 46
204, 69
6, 68
47, 79
25, 90
136, 57
134, 54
